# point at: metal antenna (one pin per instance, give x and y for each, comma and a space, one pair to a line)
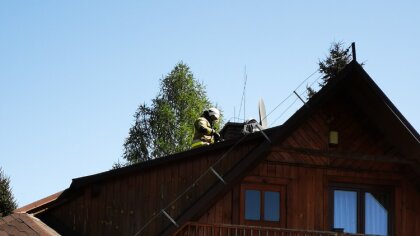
246, 78
353, 50
243, 95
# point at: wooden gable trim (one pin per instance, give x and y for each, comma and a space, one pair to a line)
39, 205
388, 103
387, 118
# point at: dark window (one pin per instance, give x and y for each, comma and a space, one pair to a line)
271, 206
362, 210
376, 214
263, 205
252, 204
345, 210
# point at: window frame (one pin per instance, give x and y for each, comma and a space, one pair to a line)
281, 189
361, 190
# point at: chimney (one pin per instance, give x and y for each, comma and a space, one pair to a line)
233, 130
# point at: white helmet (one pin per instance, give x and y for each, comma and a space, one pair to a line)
214, 113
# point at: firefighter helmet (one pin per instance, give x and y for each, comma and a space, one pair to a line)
214, 113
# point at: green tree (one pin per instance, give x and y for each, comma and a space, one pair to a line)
337, 59
166, 127
7, 201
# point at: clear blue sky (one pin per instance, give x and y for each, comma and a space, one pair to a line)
72, 73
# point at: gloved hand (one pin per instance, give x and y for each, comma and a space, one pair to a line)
216, 137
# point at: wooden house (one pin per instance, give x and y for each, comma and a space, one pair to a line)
347, 161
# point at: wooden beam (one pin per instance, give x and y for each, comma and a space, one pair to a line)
412, 165
343, 155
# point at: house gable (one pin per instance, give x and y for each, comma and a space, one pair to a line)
361, 149
306, 166
152, 197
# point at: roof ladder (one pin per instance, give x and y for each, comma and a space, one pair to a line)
265, 135
217, 174
170, 218
304, 103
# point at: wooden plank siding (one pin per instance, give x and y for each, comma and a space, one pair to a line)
301, 164
123, 205
307, 175
307, 196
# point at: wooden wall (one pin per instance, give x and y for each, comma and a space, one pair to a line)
122, 206
306, 164
307, 204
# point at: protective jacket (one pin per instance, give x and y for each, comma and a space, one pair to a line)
203, 133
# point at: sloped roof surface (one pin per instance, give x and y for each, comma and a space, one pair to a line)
353, 81
33, 207
361, 90
23, 224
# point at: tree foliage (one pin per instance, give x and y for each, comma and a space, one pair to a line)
336, 60
7, 201
166, 127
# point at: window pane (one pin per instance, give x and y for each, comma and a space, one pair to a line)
272, 206
252, 204
376, 215
345, 210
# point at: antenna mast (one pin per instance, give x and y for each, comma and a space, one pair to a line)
243, 95
246, 78
353, 50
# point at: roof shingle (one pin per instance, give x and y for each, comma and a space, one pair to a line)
23, 224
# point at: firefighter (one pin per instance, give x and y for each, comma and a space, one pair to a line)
204, 132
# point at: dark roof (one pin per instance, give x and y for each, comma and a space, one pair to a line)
363, 91
38, 205
352, 81
358, 86
232, 130
79, 183
23, 224
177, 157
